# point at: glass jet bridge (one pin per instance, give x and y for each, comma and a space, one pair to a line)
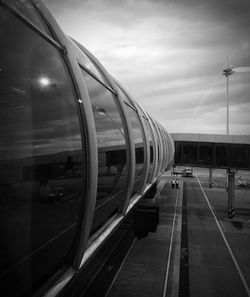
230, 152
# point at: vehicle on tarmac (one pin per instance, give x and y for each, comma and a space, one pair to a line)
187, 172
241, 183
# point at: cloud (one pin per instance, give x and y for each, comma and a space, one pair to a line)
168, 54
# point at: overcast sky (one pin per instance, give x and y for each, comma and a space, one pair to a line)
169, 55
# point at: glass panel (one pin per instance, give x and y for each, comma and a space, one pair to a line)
84, 60
27, 10
151, 150
139, 149
239, 155
41, 161
159, 148
171, 147
112, 150
155, 145
168, 149
190, 152
178, 156
205, 153
221, 154
168, 152
125, 96
164, 148
138, 143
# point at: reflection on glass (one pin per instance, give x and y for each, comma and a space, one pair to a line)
157, 145
41, 162
44, 81
163, 147
138, 142
112, 165
190, 152
139, 149
26, 9
239, 155
84, 60
167, 153
205, 153
221, 153
151, 151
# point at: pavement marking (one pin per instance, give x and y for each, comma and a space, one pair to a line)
118, 271
160, 188
226, 242
170, 248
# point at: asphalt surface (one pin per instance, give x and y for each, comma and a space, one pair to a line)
218, 252
148, 266
197, 251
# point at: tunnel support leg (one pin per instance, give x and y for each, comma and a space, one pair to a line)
211, 178
231, 193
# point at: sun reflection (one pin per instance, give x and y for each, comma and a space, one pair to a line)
44, 81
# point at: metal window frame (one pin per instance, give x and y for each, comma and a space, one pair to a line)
102, 71
31, 25
60, 279
66, 274
130, 154
150, 178
157, 169
84, 109
162, 142
146, 147
156, 148
167, 149
160, 149
172, 149
107, 79
95, 77
164, 147
137, 108
132, 107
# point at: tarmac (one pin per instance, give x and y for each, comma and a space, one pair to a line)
197, 250
153, 261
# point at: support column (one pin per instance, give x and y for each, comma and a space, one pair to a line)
227, 184
211, 184
231, 193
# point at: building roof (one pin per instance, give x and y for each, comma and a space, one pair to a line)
214, 138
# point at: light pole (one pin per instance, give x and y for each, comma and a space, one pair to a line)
227, 72
102, 111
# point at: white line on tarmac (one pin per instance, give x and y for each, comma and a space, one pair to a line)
170, 249
118, 271
226, 242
